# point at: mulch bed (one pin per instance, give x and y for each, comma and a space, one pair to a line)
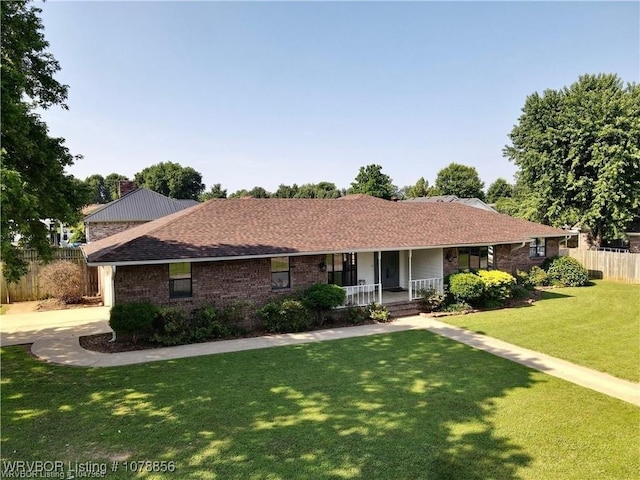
100, 343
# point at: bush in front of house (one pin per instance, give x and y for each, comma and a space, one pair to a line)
431, 299
567, 272
174, 327
497, 286
63, 280
285, 316
134, 320
466, 287
538, 277
356, 315
323, 297
379, 313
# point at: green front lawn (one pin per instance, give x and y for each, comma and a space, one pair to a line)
595, 326
404, 405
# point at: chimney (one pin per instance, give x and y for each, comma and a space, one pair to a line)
126, 186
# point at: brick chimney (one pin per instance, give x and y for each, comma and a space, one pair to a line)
126, 186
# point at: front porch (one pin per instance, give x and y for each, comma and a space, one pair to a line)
362, 295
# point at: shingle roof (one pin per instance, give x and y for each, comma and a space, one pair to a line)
140, 205
246, 227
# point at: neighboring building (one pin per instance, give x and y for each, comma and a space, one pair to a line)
134, 208
251, 249
472, 202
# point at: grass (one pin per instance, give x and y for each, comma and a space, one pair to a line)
596, 326
404, 405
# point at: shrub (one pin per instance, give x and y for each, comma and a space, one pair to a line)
523, 280
322, 297
63, 280
567, 272
379, 313
357, 315
431, 299
466, 287
133, 319
172, 327
457, 307
284, 316
497, 286
538, 277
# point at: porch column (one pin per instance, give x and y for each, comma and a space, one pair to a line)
410, 277
380, 277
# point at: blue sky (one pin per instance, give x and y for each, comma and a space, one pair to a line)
263, 93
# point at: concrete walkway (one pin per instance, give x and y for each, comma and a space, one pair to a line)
59, 343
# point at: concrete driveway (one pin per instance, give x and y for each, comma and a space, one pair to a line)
19, 328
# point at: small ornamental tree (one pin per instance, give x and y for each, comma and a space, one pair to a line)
322, 297
63, 280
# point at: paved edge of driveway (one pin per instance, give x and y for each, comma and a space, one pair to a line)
66, 350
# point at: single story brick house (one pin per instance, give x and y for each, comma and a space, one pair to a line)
135, 207
227, 250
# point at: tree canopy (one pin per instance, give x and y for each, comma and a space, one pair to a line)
371, 181
171, 179
459, 180
578, 154
216, 191
34, 185
420, 189
499, 189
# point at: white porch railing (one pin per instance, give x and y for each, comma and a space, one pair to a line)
426, 284
362, 295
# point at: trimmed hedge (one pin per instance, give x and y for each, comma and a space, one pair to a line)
467, 288
135, 319
497, 286
285, 316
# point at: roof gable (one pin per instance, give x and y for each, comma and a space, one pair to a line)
140, 205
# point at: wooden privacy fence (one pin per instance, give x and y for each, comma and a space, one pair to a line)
621, 267
27, 287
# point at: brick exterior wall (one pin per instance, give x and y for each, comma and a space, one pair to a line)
216, 283
634, 243
509, 261
98, 230
503, 257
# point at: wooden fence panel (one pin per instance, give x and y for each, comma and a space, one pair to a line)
28, 289
621, 267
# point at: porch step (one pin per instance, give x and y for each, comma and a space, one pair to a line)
403, 309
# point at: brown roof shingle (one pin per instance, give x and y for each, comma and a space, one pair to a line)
245, 227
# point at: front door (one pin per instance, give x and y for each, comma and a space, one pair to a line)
390, 262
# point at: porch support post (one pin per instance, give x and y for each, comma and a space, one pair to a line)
410, 277
380, 277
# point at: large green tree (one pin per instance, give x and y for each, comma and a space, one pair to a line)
34, 184
420, 189
371, 181
99, 191
499, 189
171, 179
459, 180
318, 190
578, 153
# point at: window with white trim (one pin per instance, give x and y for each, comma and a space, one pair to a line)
474, 258
180, 280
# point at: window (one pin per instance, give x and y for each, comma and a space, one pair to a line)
342, 269
179, 280
473, 258
280, 277
538, 248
